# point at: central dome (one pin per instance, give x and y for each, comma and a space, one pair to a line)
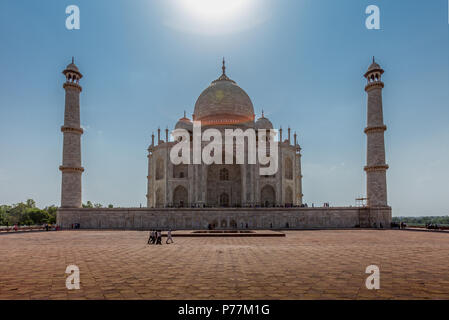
222, 103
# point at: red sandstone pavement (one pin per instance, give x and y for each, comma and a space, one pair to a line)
302, 265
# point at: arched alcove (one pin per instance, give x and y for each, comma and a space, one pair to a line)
180, 196
288, 169
268, 196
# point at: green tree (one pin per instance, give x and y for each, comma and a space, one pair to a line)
26, 214
88, 205
36, 216
31, 203
17, 212
3, 215
52, 210
421, 221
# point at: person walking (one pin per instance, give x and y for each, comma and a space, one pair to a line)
154, 237
150, 238
169, 237
159, 237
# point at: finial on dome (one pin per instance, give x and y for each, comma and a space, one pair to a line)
263, 114
73, 60
374, 60
224, 67
184, 114
223, 77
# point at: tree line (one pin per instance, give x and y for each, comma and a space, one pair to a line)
440, 220
28, 214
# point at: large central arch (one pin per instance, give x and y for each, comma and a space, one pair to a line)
224, 179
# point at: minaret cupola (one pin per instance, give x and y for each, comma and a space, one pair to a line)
374, 75
72, 73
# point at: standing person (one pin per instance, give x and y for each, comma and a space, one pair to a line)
159, 237
169, 237
153, 236
150, 238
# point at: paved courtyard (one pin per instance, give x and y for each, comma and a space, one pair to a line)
302, 265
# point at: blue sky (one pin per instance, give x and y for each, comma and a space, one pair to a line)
145, 62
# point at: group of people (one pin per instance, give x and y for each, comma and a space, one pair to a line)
432, 226
49, 227
156, 237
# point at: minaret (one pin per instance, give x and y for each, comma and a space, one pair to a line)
376, 168
71, 155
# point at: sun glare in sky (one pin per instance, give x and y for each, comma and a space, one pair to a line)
214, 16
214, 10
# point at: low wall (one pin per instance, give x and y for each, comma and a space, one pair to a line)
197, 219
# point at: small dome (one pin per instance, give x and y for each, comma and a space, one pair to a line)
263, 123
72, 67
374, 67
184, 123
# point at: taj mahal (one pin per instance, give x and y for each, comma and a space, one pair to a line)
225, 196
223, 105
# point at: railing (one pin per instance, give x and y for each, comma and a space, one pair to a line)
27, 228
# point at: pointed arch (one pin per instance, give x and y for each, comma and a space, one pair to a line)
160, 169
268, 196
159, 198
180, 196
288, 196
180, 171
224, 200
224, 174
288, 167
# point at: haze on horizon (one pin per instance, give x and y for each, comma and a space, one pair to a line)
146, 62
